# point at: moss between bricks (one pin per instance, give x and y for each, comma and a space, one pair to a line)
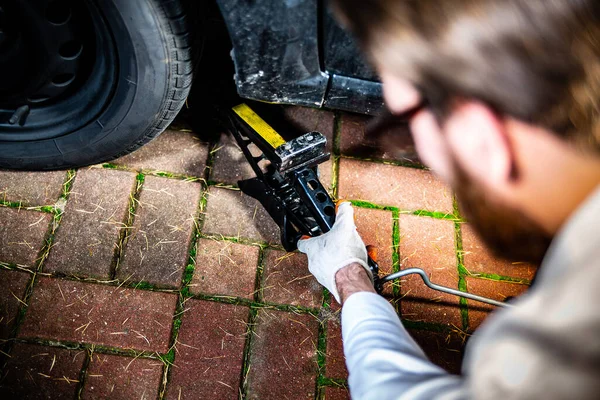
502, 278
19, 205
463, 271
326, 299
335, 164
322, 380
68, 185
397, 163
171, 175
169, 357
83, 373
366, 204
462, 283
420, 213
94, 348
321, 354
335, 172
164, 174
188, 273
464, 310
260, 269
210, 158
396, 251
143, 285
322, 344
48, 209
15, 267
125, 231
201, 207
248, 242
240, 301
436, 214
12, 204
56, 220
334, 382
252, 316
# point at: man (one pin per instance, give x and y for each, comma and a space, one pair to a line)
509, 97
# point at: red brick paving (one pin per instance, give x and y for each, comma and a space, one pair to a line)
210, 345
173, 151
336, 393
208, 356
335, 362
442, 348
31, 188
12, 291
286, 280
393, 144
283, 360
122, 378
375, 228
225, 268
96, 210
478, 312
406, 188
37, 372
232, 213
100, 314
159, 241
22, 235
428, 243
478, 258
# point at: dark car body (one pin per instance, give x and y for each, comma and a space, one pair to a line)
294, 52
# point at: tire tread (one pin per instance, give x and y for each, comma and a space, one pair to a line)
174, 18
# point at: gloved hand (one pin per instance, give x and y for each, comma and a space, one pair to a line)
334, 250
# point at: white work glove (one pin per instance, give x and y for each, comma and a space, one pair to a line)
336, 249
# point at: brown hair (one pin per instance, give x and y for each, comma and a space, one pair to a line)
536, 60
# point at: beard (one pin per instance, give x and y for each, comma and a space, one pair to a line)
508, 233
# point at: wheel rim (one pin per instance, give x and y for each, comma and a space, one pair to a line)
58, 69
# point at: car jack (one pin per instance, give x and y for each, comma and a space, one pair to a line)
288, 187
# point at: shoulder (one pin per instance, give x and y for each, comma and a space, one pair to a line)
551, 335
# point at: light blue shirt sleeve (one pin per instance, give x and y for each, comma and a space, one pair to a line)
383, 361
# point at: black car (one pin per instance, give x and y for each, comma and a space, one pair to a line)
86, 81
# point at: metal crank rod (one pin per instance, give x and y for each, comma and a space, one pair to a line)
290, 190
439, 288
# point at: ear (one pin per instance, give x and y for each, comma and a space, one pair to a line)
431, 145
479, 141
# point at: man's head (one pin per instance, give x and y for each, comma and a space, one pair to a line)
512, 95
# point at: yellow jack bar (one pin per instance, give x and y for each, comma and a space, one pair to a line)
265, 130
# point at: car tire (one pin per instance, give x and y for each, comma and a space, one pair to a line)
136, 78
